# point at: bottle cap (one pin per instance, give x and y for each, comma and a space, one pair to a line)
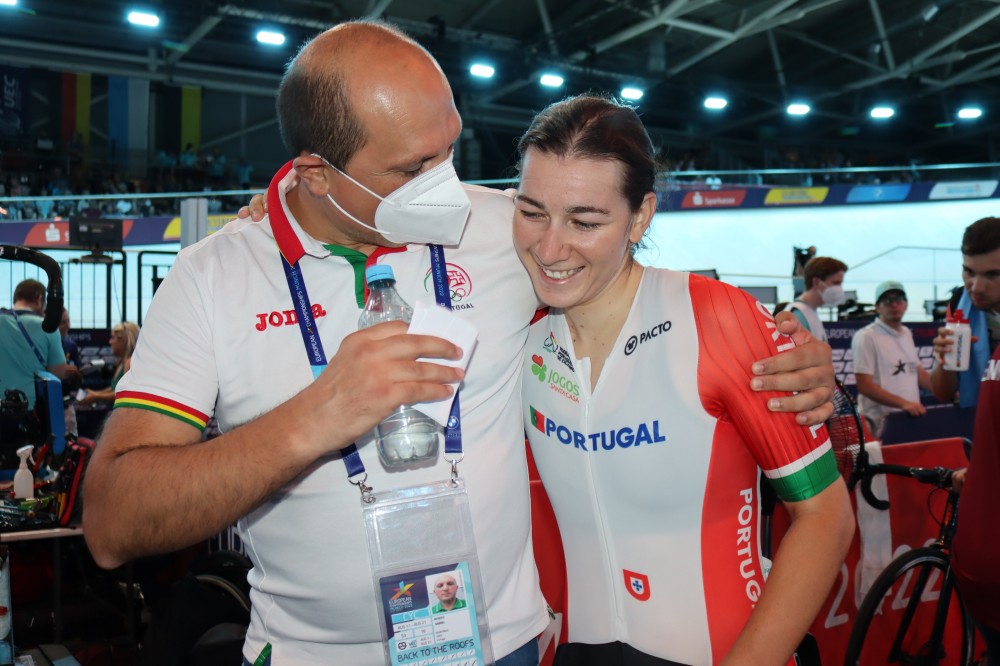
379, 272
959, 317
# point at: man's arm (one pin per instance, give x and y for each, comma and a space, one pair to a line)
153, 487
805, 567
807, 369
944, 383
924, 378
868, 388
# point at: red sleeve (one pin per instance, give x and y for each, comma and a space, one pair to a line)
734, 331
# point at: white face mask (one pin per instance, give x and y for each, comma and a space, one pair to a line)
431, 208
833, 295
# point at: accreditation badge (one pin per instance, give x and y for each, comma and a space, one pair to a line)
426, 575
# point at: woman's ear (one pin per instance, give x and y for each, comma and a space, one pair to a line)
312, 172
642, 218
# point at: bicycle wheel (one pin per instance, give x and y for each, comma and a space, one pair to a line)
912, 598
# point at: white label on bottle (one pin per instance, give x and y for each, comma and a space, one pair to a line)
956, 359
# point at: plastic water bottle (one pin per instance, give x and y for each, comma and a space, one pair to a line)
406, 436
957, 358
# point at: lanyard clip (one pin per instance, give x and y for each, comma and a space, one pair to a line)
454, 468
366, 491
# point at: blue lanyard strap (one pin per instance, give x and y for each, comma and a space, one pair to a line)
314, 348
317, 357
442, 294
31, 343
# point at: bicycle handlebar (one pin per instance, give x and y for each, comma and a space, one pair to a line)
935, 476
54, 301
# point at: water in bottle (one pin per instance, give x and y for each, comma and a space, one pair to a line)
406, 436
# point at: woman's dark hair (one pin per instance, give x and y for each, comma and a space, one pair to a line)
981, 237
600, 128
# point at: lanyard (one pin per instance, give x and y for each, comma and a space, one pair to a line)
27, 337
317, 357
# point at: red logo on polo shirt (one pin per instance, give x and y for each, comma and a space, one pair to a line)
279, 318
637, 584
459, 284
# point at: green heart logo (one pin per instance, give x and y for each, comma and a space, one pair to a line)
539, 371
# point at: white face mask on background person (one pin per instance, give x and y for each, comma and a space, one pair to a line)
431, 208
833, 295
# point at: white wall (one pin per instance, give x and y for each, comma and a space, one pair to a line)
758, 242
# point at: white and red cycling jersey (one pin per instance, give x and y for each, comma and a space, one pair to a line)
653, 472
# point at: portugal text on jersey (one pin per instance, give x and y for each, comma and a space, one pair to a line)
607, 440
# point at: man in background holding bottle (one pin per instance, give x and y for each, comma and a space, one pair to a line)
366, 113
979, 302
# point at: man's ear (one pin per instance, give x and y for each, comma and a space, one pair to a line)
313, 173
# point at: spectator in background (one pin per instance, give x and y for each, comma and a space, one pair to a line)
25, 348
243, 172
72, 353
123, 339
216, 168
824, 280
70, 349
979, 302
886, 365
801, 258
44, 206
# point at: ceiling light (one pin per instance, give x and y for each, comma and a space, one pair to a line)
551, 80
929, 12
798, 109
9, 3
632, 93
145, 19
716, 103
270, 37
883, 112
970, 113
481, 70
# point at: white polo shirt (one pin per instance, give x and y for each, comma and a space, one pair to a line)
220, 339
890, 357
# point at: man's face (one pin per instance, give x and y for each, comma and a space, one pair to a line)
891, 307
412, 124
445, 588
981, 275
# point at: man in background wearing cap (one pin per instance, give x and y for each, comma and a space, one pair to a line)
886, 366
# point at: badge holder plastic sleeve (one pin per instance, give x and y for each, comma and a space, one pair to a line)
415, 536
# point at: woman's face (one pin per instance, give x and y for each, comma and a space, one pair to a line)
573, 228
117, 343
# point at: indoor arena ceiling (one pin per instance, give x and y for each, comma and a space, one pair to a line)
927, 58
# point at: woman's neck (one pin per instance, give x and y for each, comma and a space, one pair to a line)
595, 325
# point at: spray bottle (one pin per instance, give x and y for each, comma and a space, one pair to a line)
24, 480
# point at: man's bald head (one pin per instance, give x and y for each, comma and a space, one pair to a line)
325, 82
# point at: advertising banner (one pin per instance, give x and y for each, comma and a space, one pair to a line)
14, 120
